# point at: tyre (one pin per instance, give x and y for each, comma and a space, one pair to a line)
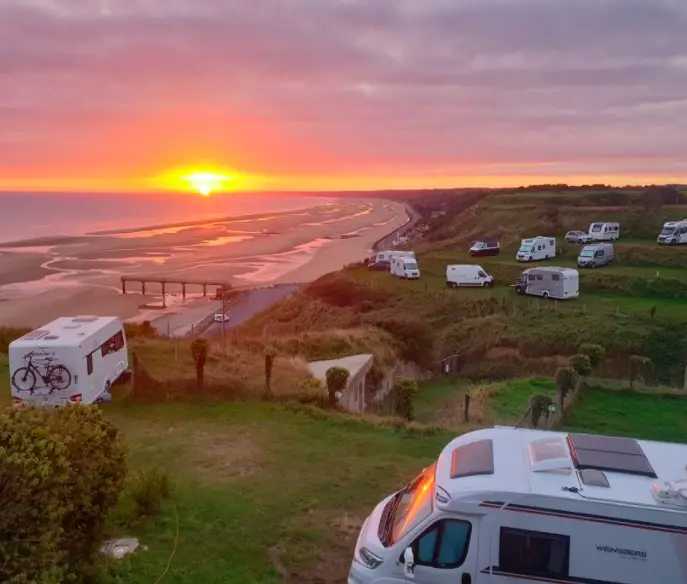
545, 295
24, 379
59, 378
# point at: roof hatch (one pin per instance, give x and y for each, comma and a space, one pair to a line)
35, 335
475, 458
609, 453
84, 319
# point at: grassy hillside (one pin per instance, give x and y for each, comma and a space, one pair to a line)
632, 307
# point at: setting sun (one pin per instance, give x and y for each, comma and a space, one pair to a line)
206, 183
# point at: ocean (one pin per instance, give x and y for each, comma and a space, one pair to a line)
36, 215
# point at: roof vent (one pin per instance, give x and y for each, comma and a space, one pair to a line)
671, 492
84, 319
35, 335
473, 459
71, 326
549, 454
50, 338
594, 478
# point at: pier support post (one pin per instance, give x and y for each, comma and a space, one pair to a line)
183, 291
143, 287
123, 286
163, 290
205, 289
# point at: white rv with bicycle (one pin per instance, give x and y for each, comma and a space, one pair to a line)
549, 282
536, 248
70, 360
515, 506
673, 233
604, 231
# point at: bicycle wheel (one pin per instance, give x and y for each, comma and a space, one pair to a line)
24, 379
59, 378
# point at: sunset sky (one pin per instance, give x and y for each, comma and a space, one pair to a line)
341, 94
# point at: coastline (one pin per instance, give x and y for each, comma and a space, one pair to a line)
82, 275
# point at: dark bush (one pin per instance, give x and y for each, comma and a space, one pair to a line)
338, 290
565, 379
143, 330
666, 346
199, 352
337, 378
539, 408
596, 354
581, 364
415, 337
640, 367
404, 392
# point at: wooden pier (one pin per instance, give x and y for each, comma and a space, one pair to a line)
164, 282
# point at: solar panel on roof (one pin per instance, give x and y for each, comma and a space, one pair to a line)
476, 458
622, 455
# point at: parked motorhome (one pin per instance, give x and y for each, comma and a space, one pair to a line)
72, 359
467, 275
382, 259
536, 248
549, 282
596, 255
485, 247
405, 267
604, 231
518, 506
673, 233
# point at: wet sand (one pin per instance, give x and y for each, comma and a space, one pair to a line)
63, 276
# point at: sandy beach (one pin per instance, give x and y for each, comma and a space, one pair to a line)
42, 279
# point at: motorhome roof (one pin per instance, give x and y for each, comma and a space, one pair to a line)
562, 271
67, 330
526, 462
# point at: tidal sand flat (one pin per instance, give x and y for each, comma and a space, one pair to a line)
63, 275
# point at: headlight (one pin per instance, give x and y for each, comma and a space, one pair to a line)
369, 559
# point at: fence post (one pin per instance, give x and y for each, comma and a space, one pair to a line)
466, 412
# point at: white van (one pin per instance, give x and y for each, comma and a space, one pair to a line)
673, 233
518, 506
467, 275
604, 231
70, 360
405, 267
536, 248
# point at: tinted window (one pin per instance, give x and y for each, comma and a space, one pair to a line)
533, 553
444, 545
89, 364
555, 278
113, 344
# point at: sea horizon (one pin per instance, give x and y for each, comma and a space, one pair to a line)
35, 215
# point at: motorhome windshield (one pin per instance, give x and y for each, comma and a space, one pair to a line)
526, 248
411, 265
409, 507
587, 253
668, 231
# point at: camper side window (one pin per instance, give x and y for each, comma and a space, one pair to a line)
444, 545
89, 364
113, 344
555, 277
533, 553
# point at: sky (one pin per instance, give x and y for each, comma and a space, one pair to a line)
342, 94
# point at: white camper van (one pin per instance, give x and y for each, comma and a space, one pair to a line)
467, 275
515, 506
604, 231
70, 360
549, 282
536, 248
405, 267
673, 233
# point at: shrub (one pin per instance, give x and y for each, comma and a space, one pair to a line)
34, 473
666, 346
565, 379
199, 351
539, 407
404, 392
581, 364
149, 489
337, 378
61, 472
639, 368
596, 354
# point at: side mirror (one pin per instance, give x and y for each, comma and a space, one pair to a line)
409, 563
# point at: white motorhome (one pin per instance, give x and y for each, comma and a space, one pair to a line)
604, 231
467, 275
405, 267
536, 248
549, 282
673, 233
518, 506
70, 360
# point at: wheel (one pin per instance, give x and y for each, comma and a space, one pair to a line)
24, 379
59, 378
545, 295
546, 257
